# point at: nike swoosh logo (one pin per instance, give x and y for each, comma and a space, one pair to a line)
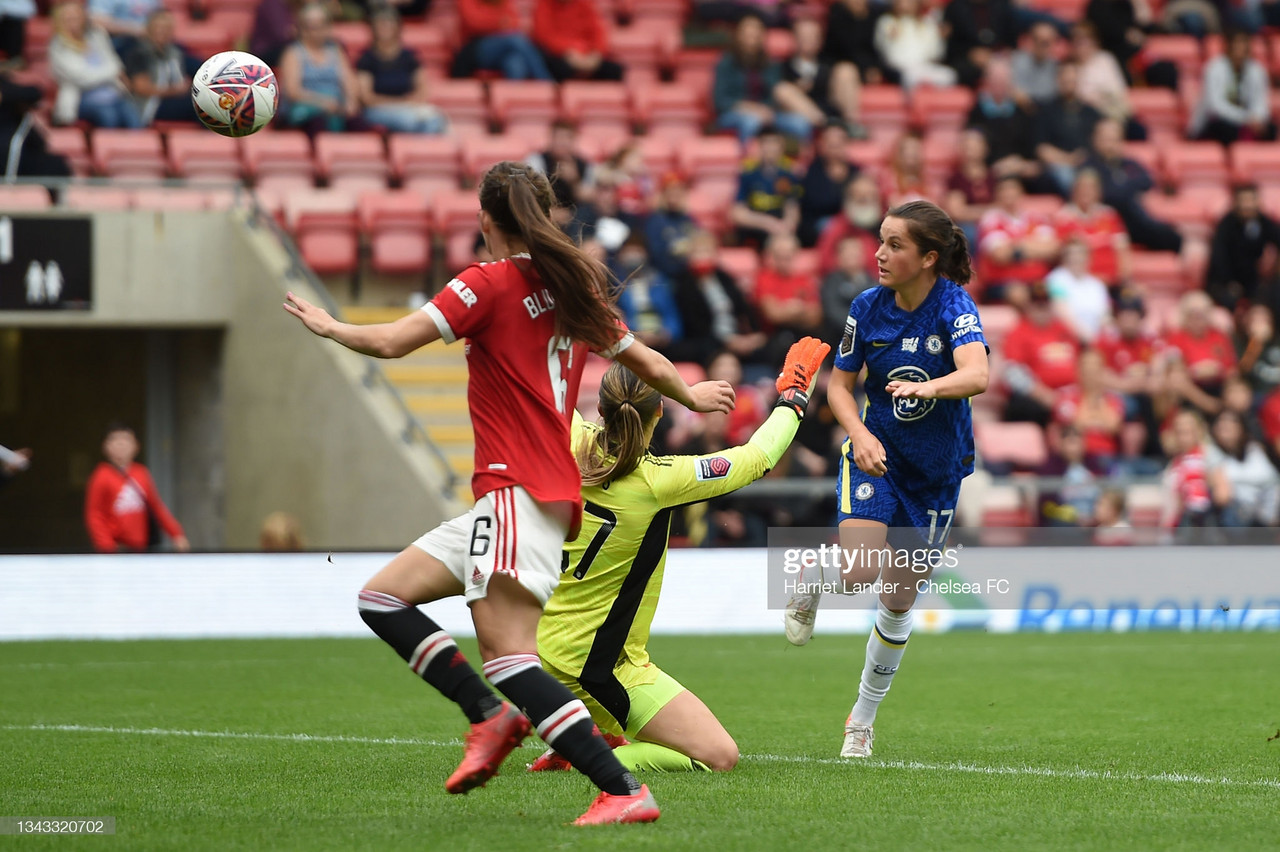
877, 344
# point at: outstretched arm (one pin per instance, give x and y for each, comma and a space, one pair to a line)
381, 340
656, 370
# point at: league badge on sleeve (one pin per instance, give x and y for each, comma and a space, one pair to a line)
850, 334
716, 467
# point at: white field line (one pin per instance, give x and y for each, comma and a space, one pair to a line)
1077, 774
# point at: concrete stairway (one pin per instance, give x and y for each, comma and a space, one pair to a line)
433, 382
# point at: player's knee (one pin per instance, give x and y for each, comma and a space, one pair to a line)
723, 756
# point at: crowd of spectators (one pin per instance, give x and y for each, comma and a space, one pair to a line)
1116, 388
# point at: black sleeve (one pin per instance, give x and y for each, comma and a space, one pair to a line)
137, 62
367, 62
1219, 271
15, 96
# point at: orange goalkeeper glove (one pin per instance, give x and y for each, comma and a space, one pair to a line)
804, 359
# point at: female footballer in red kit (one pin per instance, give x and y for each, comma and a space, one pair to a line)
529, 318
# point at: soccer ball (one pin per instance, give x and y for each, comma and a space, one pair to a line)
235, 93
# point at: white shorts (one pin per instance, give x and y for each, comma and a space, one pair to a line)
506, 532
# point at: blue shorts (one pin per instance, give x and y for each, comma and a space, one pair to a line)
914, 516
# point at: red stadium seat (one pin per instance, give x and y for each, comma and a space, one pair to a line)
884, 110
1019, 444
96, 198
324, 227
1147, 155
1158, 270
128, 153
709, 209
199, 154
711, 156
1195, 164
1182, 50
640, 49
941, 107
1045, 205
743, 264
432, 159
345, 154
658, 152
482, 152
429, 43
454, 215
233, 20
869, 154
175, 199
516, 104
779, 44
70, 142
1255, 162
463, 102
278, 152
26, 197
1159, 110
940, 151
997, 322
1003, 506
596, 106
397, 226
354, 36
669, 109
203, 38
1195, 210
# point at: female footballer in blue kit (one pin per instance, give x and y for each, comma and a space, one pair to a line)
920, 339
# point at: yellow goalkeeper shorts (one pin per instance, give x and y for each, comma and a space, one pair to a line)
647, 690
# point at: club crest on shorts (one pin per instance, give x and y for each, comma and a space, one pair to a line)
864, 491
850, 334
716, 467
933, 344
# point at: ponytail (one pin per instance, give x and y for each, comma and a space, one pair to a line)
932, 230
627, 405
519, 201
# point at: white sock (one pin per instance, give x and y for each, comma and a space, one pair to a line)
885, 647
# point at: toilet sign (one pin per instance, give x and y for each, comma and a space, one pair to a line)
45, 264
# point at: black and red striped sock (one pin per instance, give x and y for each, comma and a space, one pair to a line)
429, 651
562, 720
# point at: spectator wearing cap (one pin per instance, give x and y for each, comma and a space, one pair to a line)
1015, 246
714, 312
1240, 241
669, 230
823, 186
572, 176
768, 193
744, 90
571, 35
859, 219
1041, 353
1235, 101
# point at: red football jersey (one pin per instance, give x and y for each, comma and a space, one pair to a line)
1050, 351
1210, 355
996, 227
1122, 354
1188, 474
1102, 230
523, 380
1097, 442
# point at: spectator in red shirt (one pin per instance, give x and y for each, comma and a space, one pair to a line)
860, 219
1132, 356
121, 501
1015, 246
790, 303
1206, 352
1098, 226
1092, 409
1188, 501
1269, 418
573, 41
1040, 354
492, 41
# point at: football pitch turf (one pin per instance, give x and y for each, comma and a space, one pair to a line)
1081, 741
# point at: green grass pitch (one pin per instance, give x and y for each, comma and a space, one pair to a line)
1098, 741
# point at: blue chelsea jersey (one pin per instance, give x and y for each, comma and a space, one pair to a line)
929, 442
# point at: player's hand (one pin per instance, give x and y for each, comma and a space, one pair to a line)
181, 544
910, 390
799, 372
316, 319
869, 455
712, 396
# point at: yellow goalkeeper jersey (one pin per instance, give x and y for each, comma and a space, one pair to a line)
612, 574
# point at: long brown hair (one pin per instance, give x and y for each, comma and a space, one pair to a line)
519, 200
627, 405
933, 230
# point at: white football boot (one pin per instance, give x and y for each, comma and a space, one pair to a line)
857, 739
798, 619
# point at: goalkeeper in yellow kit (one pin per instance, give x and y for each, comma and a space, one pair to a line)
595, 629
